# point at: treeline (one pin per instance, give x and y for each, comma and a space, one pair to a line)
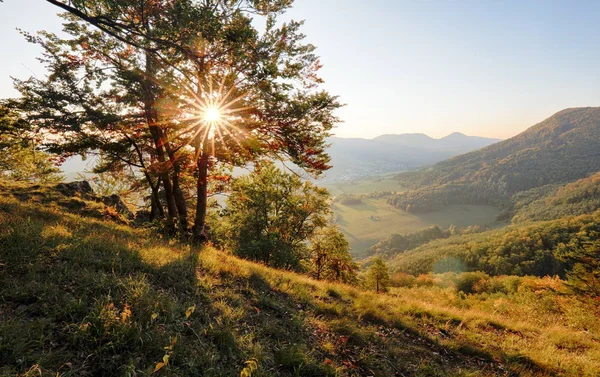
353, 199
536, 249
434, 198
399, 243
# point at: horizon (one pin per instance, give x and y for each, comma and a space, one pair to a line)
483, 69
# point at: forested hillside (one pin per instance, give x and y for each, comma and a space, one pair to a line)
561, 149
556, 201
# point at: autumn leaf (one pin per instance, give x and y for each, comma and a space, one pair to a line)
189, 311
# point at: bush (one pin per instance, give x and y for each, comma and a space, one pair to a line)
473, 282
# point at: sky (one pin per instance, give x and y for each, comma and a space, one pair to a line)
483, 68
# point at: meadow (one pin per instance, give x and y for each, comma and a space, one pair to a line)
372, 220
81, 293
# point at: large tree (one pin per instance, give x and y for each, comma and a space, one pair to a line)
179, 88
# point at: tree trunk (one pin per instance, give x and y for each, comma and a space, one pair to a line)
198, 233
159, 139
178, 196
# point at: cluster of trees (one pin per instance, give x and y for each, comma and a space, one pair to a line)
539, 249
177, 92
354, 199
433, 198
21, 158
398, 243
348, 199
556, 201
278, 219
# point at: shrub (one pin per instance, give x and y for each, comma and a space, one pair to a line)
472, 282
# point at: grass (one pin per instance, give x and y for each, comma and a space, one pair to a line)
84, 296
363, 231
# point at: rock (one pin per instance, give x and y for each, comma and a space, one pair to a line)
120, 206
142, 217
77, 188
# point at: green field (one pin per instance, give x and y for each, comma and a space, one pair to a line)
372, 220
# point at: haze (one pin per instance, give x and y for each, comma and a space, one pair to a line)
481, 68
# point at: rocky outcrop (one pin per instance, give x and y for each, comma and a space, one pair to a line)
84, 190
77, 188
119, 204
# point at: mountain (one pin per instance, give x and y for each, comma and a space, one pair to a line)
560, 149
358, 158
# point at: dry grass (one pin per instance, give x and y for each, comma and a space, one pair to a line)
80, 295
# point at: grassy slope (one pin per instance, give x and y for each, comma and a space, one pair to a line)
81, 296
363, 232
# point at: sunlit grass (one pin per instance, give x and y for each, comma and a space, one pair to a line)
83, 295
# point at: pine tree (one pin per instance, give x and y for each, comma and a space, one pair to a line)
378, 277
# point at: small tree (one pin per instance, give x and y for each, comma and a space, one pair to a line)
582, 257
272, 214
330, 256
20, 157
378, 276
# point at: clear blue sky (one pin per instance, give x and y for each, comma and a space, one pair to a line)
487, 68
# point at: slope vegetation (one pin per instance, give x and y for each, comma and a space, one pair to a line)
561, 149
81, 295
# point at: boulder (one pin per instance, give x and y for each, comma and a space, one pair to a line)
77, 188
120, 206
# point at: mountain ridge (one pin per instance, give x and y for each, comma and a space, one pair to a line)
560, 149
354, 158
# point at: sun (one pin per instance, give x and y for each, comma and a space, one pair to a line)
212, 115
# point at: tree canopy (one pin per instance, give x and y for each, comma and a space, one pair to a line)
180, 90
272, 214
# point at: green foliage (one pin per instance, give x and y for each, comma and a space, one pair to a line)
524, 249
330, 257
398, 243
377, 276
556, 201
272, 214
348, 199
29, 164
582, 256
21, 158
472, 282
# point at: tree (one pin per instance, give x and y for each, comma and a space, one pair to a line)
330, 256
272, 214
180, 88
582, 256
378, 276
20, 157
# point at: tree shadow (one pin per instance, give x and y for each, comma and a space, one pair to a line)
91, 296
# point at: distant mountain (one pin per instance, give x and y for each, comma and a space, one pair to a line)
561, 149
357, 158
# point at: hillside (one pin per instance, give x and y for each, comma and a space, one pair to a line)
83, 295
555, 201
355, 158
561, 149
